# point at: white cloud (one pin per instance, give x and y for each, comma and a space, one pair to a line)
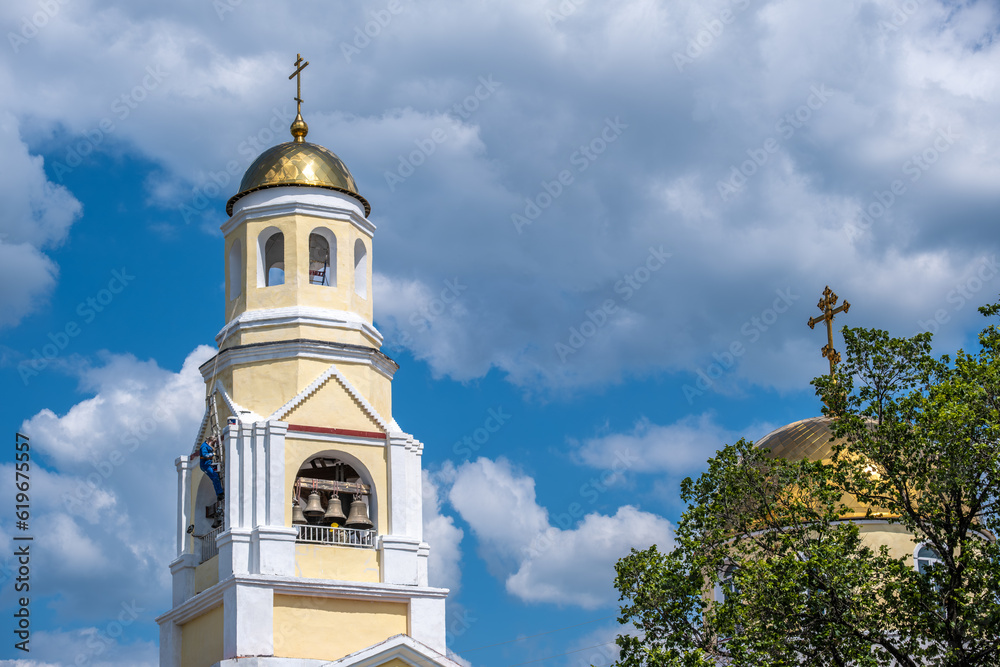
103, 646
499, 504
538, 561
576, 567
37, 216
104, 488
444, 537
890, 93
678, 448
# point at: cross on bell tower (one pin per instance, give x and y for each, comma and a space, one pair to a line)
826, 304
299, 127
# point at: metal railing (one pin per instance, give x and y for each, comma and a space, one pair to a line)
208, 546
343, 537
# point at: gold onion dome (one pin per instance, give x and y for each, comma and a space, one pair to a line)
814, 440
298, 163
806, 439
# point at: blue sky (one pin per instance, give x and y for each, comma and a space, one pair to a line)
607, 222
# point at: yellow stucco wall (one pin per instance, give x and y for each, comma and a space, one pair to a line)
265, 386
896, 537
328, 629
317, 561
331, 405
201, 639
395, 662
296, 289
206, 574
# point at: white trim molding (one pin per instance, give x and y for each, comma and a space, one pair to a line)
284, 585
292, 315
331, 372
298, 200
300, 349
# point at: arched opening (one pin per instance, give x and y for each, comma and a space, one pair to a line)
206, 522
333, 502
360, 269
235, 269
726, 584
925, 557
322, 257
270, 258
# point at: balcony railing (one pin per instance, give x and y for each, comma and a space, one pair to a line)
341, 537
208, 546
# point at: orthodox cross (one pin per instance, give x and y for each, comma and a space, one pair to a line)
300, 65
826, 304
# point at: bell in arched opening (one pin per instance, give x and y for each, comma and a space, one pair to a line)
359, 515
320, 268
298, 518
334, 512
314, 508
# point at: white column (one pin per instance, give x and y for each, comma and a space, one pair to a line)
397, 496
182, 577
423, 554
414, 492
427, 622
258, 476
274, 541
277, 496
184, 464
399, 559
234, 542
170, 645
248, 626
235, 447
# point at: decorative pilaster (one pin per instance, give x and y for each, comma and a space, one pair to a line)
248, 626
184, 464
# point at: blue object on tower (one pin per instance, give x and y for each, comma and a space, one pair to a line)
206, 455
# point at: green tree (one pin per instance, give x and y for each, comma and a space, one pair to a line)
918, 446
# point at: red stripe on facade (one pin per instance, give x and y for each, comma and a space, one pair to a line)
336, 431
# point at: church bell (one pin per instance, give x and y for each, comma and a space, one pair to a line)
334, 511
359, 515
298, 518
314, 509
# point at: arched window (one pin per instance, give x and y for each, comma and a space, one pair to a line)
924, 557
322, 257
206, 522
360, 269
726, 584
270, 258
235, 269
333, 502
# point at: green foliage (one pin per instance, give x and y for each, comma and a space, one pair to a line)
924, 450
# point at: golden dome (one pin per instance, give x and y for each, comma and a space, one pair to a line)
812, 439
806, 439
298, 163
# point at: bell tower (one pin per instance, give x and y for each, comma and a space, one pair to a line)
315, 550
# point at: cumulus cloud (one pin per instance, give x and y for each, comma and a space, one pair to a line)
103, 481
762, 160
445, 538
37, 216
676, 448
566, 564
575, 566
102, 646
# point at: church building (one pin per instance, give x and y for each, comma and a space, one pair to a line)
310, 550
